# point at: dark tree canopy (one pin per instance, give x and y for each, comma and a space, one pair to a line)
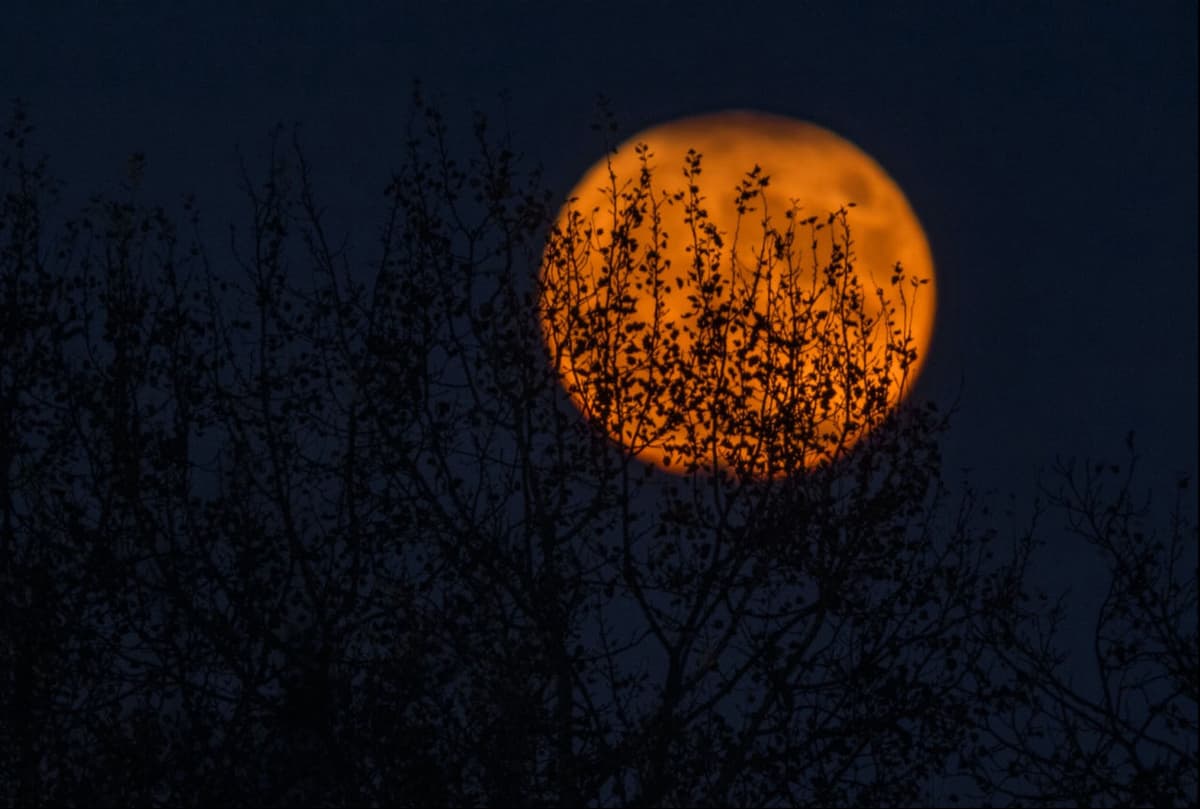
301, 522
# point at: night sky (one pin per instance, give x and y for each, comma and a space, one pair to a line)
1049, 150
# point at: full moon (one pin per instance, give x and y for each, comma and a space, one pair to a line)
737, 291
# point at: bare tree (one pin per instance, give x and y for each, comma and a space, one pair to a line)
295, 526
1122, 730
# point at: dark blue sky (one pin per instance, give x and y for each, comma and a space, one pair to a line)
1049, 149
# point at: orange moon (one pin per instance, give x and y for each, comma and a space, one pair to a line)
637, 263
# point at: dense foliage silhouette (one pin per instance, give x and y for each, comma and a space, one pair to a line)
295, 524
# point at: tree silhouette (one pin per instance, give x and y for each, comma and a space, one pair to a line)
1131, 741
289, 527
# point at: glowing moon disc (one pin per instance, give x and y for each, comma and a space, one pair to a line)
695, 352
